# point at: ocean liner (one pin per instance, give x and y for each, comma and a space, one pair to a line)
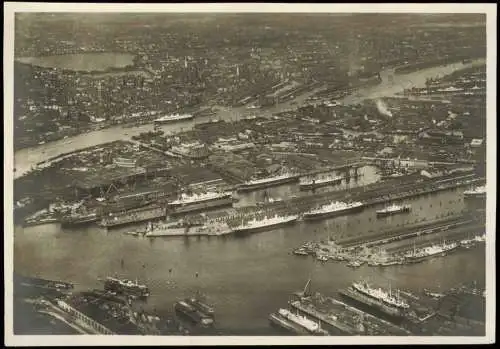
384, 301
167, 119
333, 209
393, 209
256, 225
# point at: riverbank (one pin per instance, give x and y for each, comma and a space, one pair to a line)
26, 158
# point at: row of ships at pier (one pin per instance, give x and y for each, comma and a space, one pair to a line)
363, 309
194, 309
335, 208
189, 203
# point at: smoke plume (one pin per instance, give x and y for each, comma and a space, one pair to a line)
382, 108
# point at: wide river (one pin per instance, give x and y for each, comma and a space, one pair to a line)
87, 62
246, 278
24, 159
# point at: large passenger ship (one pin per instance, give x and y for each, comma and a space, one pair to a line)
333, 209
167, 119
256, 225
382, 300
194, 202
268, 182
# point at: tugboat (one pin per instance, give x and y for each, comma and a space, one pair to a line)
393, 209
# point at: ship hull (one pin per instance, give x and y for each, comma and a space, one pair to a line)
372, 303
134, 217
481, 196
263, 228
198, 206
333, 326
40, 222
282, 323
114, 287
423, 258
322, 215
201, 307
42, 283
77, 222
310, 186
170, 121
193, 315
392, 213
167, 232
249, 187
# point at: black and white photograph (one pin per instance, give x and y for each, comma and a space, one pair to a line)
249, 173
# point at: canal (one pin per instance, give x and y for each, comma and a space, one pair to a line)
246, 278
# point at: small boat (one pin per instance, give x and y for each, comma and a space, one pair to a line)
136, 233
478, 192
300, 252
393, 209
434, 295
354, 264
306, 184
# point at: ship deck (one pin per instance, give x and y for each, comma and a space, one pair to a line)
345, 318
286, 324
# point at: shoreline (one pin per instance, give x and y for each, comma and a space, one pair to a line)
25, 158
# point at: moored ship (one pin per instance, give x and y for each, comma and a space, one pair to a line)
166, 229
393, 209
193, 314
172, 118
29, 222
267, 182
201, 306
281, 322
378, 298
194, 202
79, 219
126, 287
256, 225
312, 183
469, 242
311, 327
478, 193
333, 209
422, 254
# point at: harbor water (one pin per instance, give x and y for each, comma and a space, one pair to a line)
246, 278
